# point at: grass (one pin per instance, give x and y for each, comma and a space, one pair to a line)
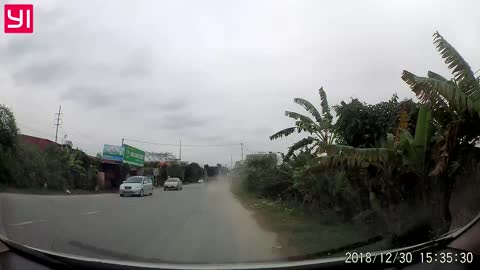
306, 235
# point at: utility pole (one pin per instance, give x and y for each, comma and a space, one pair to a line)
180, 157
58, 122
231, 162
123, 139
241, 147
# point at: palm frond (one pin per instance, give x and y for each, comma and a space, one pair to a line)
442, 97
284, 132
327, 116
310, 108
455, 97
460, 68
434, 75
302, 126
424, 91
298, 145
301, 117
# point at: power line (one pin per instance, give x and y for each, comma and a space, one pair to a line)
50, 137
36, 130
248, 150
77, 133
190, 145
252, 152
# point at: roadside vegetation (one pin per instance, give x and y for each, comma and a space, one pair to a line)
24, 166
304, 233
399, 172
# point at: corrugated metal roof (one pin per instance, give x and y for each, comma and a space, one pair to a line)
40, 142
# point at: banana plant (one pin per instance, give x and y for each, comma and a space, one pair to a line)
73, 162
320, 128
455, 103
416, 148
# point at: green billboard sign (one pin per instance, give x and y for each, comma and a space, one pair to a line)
133, 156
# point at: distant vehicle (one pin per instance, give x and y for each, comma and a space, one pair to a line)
136, 186
173, 183
200, 181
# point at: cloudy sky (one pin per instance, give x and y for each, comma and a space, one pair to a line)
215, 72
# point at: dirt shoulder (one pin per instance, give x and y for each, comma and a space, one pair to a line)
304, 235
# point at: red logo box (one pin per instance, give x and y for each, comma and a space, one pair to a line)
18, 18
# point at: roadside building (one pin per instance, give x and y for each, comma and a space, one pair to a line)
112, 174
119, 162
40, 142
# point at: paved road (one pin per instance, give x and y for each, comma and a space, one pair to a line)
200, 224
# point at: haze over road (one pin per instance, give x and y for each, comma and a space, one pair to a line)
200, 224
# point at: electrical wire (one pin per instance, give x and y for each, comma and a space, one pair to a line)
36, 130
189, 145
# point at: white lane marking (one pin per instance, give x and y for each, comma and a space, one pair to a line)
91, 213
27, 222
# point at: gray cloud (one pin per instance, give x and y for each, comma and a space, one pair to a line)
182, 121
218, 72
96, 97
173, 104
136, 64
41, 73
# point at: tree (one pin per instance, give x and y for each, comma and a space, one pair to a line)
364, 125
8, 142
8, 128
176, 169
27, 166
193, 172
82, 169
320, 128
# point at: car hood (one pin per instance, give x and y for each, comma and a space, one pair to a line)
63, 260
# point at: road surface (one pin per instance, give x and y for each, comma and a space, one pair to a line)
200, 224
